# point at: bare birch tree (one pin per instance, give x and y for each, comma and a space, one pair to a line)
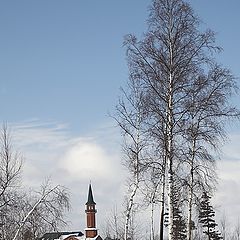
168, 64
130, 118
10, 178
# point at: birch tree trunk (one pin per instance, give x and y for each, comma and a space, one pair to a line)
170, 160
28, 215
136, 172
152, 220
129, 208
170, 124
162, 211
190, 193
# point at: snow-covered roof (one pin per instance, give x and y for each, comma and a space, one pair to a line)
63, 237
57, 235
66, 235
90, 229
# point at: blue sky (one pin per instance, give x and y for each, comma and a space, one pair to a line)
64, 60
62, 64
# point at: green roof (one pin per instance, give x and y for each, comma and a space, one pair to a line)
90, 196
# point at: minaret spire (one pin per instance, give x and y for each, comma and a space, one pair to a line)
90, 196
91, 230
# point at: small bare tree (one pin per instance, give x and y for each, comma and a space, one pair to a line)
24, 213
236, 233
43, 210
114, 225
224, 227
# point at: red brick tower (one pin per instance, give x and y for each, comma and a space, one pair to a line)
91, 230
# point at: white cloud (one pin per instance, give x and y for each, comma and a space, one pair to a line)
50, 150
227, 197
87, 159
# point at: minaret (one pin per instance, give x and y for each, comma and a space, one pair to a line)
91, 230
